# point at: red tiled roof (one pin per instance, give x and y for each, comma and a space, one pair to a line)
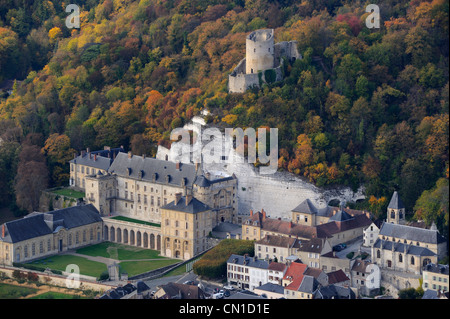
295, 274
337, 276
276, 266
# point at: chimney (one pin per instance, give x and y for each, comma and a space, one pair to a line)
143, 156
3, 231
367, 215
95, 157
130, 154
263, 213
188, 199
178, 165
251, 212
177, 198
83, 153
290, 224
88, 150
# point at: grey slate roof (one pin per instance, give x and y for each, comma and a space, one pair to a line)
248, 261
396, 202
403, 248
309, 284
334, 292
270, 287
164, 172
306, 207
41, 224
430, 294
436, 268
193, 207
102, 161
411, 233
340, 216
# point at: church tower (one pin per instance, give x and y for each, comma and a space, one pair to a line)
396, 210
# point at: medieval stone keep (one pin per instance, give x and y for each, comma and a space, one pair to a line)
263, 61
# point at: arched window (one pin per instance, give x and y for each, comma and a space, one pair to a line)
412, 260
400, 258
392, 214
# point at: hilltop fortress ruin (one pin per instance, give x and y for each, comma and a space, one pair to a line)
263, 61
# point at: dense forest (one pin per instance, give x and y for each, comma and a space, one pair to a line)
363, 107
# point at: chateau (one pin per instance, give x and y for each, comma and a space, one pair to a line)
135, 194
263, 61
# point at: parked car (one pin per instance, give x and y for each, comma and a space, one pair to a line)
226, 293
229, 287
189, 282
339, 247
218, 295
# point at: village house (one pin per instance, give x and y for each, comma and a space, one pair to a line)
340, 225
174, 290
436, 277
246, 272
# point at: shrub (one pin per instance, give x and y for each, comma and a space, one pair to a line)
104, 276
17, 274
270, 75
31, 276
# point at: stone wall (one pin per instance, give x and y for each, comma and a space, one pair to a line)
395, 281
59, 281
50, 201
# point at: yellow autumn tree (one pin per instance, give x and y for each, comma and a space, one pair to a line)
54, 34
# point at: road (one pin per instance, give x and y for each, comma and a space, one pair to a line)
353, 246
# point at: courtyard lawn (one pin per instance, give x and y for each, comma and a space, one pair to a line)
14, 292
57, 295
133, 268
69, 193
119, 251
60, 262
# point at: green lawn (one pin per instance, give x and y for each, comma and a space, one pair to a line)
14, 292
57, 295
69, 193
137, 221
60, 262
133, 268
119, 251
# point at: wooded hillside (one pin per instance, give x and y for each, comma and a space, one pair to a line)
363, 106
